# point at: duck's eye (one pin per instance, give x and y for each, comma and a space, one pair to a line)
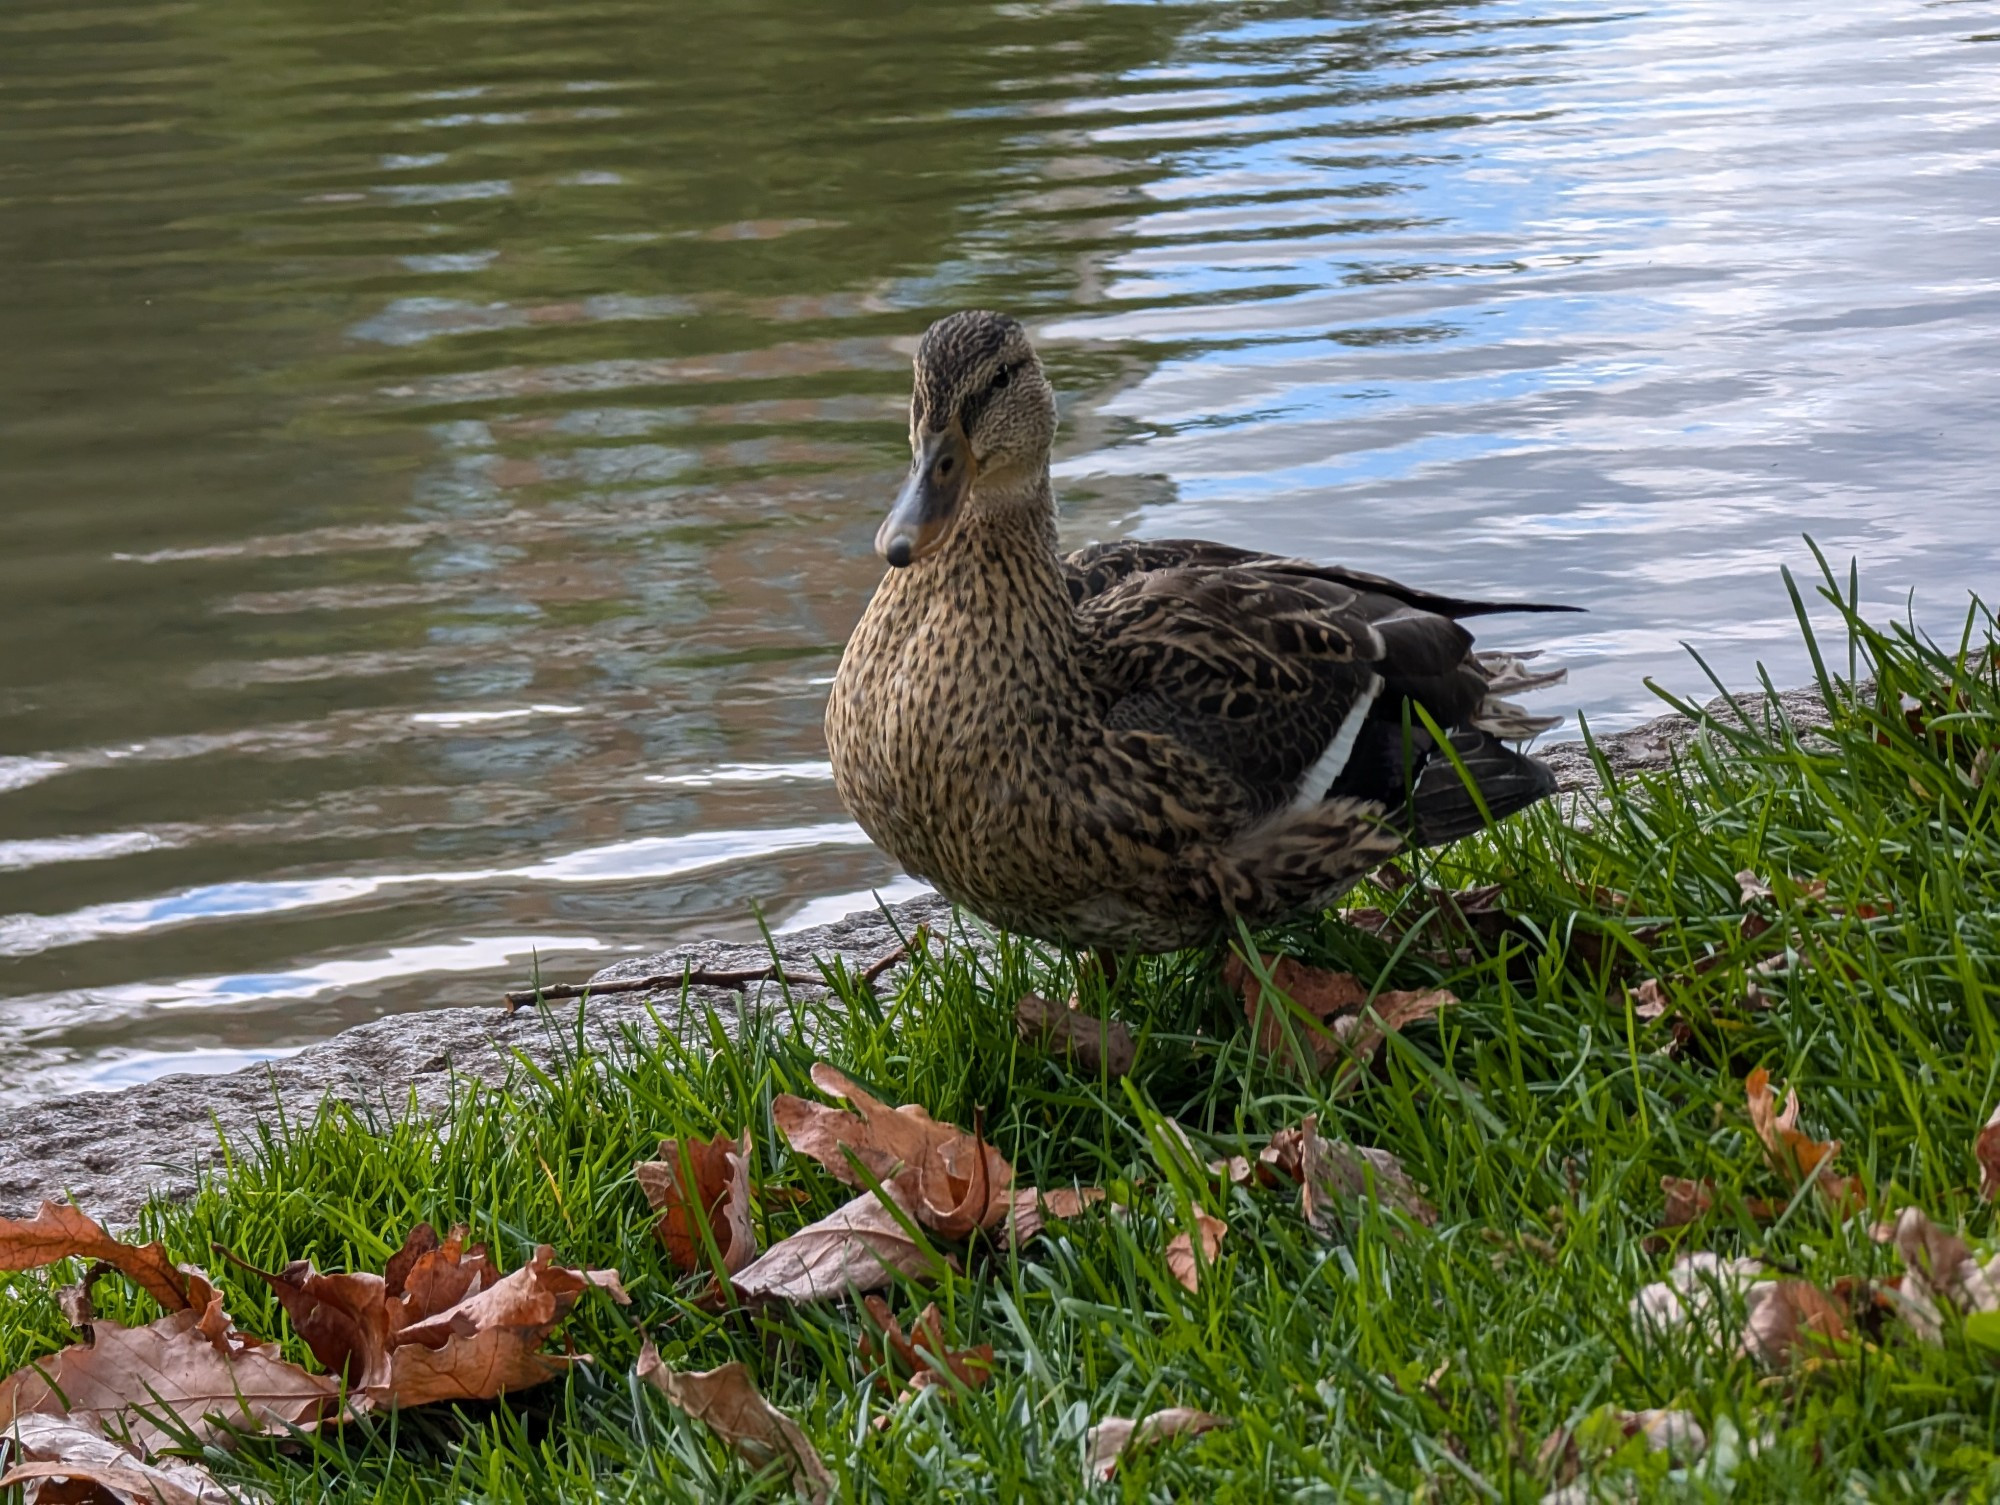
1001, 377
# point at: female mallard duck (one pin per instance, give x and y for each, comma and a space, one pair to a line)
1133, 746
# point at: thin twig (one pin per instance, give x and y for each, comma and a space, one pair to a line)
875, 969
692, 977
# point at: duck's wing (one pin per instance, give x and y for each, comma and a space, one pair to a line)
1099, 568
1301, 687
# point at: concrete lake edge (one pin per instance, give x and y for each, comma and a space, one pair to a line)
111, 1151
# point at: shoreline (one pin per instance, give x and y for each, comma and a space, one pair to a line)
111, 1151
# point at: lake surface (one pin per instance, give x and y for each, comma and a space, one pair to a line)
438, 454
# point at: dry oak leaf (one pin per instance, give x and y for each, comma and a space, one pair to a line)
859, 1246
1031, 1208
1095, 1044
1795, 1156
1181, 1249
63, 1231
954, 1181
1328, 1169
456, 1330
490, 1343
1342, 1024
351, 1321
1789, 1319
216, 1382
1115, 1436
727, 1402
1986, 1150
48, 1448
702, 1185
923, 1365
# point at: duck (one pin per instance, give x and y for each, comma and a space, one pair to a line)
1137, 746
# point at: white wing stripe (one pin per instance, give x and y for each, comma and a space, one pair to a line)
1327, 766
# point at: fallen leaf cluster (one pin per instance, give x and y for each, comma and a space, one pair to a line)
921, 1183
1321, 1020
440, 1324
926, 1191
1770, 916
1452, 921
1788, 1319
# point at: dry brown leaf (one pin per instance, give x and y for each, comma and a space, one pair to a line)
1095, 1044
215, 1381
346, 1320
1649, 1000
1986, 1150
953, 1181
1793, 1155
431, 1275
702, 1186
49, 1448
1115, 1436
1938, 1264
1328, 1169
728, 1403
1688, 1201
1751, 887
858, 1247
1181, 1250
1236, 1170
490, 1343
1031, 1208
922, 1355
449, 1334
1342, 1025
1388, 1014
1323, 996
63, 1231
1784, 1318
1790, 1319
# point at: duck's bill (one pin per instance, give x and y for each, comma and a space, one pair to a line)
928, 504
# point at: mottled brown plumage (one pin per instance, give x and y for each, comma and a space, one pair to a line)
1135, 745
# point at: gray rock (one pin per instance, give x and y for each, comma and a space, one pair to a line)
111, 1150
1653, 745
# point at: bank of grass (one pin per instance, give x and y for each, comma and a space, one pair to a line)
1390, 1362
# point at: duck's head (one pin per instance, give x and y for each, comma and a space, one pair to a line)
982, 420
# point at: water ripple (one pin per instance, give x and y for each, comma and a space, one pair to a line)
448, 462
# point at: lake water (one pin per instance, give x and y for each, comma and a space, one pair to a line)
438, 454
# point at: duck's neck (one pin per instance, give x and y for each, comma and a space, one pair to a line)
1001, 563
989, 613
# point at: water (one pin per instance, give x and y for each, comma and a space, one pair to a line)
438, 455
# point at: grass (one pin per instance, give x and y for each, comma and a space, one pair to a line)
1390, 1362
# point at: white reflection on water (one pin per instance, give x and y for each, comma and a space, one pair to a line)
651, 857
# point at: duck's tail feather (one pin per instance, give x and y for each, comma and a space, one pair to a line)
1509, 674
1443, 807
